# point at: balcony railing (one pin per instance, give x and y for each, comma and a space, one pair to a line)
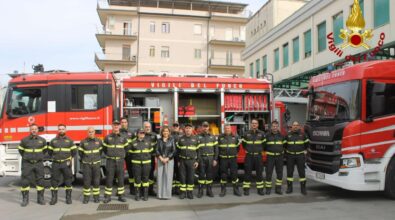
103, 59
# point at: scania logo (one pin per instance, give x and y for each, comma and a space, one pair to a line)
321, 133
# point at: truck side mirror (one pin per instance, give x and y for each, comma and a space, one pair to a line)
369, 119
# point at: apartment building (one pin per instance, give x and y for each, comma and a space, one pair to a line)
171, 36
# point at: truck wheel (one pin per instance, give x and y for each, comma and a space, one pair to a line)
390, 180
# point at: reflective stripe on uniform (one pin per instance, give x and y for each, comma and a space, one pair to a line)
279, 182
141, 161
191, 147
260, 185
228, 145
89, 151
246, 184
276, 142
149, 150
38, 150
297, 152
209, 144
273, 154
25, 188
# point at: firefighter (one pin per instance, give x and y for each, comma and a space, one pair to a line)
32, 149
176, 133
141, 152
253, 142
90, 155
152, 138
131, 137
229, 146
187, 151
208, 154
115, 147
297, 143
62, 150
275, 157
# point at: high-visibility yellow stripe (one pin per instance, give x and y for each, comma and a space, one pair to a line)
273, 154
25, 188
302, 179
149, 150
33, 150
228, 145
141, 161
39, 188
188, 147
90, 151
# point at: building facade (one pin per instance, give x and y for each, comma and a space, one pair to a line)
308, 42
177, 36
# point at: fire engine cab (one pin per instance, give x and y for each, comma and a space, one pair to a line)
94, 99
351, 125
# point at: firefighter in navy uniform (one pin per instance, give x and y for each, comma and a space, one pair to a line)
297, 143
208, 154
115, 147
90, 155
253, 142
275, 157
176, 134
32, 149
141, 152
131, 137
187, 147
229, 146
62, 150
152, 138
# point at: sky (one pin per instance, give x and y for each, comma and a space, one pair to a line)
60, 34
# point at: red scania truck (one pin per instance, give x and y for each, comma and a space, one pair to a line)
351, 125
94, 99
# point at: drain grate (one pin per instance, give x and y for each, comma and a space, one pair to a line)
112, 207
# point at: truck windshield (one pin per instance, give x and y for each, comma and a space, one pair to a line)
339, 101
25, 101
3, 92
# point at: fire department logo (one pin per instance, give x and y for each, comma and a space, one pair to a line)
355, 36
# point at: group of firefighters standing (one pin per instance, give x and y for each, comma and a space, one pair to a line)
202, 152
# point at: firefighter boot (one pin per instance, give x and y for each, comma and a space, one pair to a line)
85, 200
236, 190
137, 194
25, 198
107, 199
132, 190
40, 197
182, 195
151, 191
209, 191
223, 190
190, 194
68, 196
268, 190
289, 187
145, 194
278, 190
200, 191
121, 198
246, 191
261, 191
303, 188
54, 198
96, 199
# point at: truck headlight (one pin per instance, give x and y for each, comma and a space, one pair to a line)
350, 162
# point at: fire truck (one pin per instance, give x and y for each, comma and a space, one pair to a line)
84, 99
351, 125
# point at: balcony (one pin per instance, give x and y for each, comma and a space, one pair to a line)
102, 59
124, 35
221, 42
229, 64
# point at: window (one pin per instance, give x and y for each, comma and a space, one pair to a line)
165, 52
295, 50
285, 55
337, 26
25, 101
264, 65
111, 22
257, 68
127, 28
152, 27
197, 29
198, 53
152, 51
307, 43
380, 99
228, 34
125, 52
165, 27
251, 69
229, 58
84, 97
321, 36
276, 59
381, 12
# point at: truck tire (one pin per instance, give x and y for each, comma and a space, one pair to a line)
390, 180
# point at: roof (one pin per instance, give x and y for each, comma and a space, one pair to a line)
367, 70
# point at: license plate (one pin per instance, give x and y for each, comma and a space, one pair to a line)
320, 176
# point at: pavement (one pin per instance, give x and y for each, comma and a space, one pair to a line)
322, 202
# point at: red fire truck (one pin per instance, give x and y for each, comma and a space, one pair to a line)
351, 125
84, 99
